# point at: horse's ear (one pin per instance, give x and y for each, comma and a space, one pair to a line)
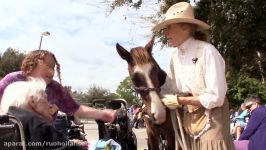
150, 44
123, 53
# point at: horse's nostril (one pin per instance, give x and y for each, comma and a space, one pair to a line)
153, 115
153, 119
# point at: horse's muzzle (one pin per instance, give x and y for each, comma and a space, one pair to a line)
153, 119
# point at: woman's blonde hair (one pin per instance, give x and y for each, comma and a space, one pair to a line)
31, 60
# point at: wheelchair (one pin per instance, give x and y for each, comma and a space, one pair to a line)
11, 133
68, 125
120, 130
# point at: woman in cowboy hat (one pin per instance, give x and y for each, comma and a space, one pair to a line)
197, 68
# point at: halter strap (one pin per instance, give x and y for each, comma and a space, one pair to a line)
147, 89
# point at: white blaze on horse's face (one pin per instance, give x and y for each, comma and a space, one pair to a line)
157, 108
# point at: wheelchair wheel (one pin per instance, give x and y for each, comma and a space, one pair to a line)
162, 143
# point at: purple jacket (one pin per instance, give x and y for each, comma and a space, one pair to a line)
55, 92
255, 130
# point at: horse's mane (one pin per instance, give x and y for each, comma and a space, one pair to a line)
140, 56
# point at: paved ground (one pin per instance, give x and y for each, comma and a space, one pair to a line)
91, 130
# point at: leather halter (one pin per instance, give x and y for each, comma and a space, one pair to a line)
147, 89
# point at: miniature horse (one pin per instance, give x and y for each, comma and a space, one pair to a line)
147, 78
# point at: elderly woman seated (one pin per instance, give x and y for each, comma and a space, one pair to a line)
27, 101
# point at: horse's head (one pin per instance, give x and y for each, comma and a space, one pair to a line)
147, 78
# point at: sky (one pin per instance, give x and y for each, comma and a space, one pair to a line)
83, 35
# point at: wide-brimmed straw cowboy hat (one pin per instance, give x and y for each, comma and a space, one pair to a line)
180, 13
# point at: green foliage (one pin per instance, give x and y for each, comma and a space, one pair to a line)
10, 61
94, 92
126, 91
238, 30
242, 87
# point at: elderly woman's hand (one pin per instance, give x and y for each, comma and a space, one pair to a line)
171, 101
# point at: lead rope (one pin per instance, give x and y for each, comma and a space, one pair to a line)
175, 118
181, 130
177, 136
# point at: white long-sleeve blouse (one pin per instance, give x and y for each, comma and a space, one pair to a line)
214, 73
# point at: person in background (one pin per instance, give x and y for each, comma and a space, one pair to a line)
27, 101
197, 68
240, 120
42, 64
256, 127
137, 112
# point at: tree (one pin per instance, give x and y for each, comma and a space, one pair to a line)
94, 92
126, 91
238, 30
242, 86
10, 61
